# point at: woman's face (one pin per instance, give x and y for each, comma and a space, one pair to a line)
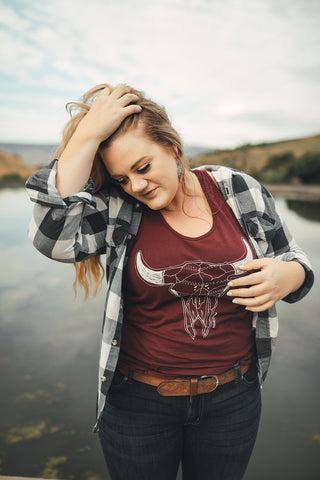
144, 169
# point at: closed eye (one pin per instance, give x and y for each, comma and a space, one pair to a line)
144, 169
121, 181
124, 181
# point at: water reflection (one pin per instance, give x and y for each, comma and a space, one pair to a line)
309, 210
49, 345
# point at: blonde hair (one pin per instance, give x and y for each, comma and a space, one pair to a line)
156, 125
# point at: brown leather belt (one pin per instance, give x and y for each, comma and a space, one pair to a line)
187, 386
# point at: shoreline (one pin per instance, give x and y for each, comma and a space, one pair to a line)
306, 193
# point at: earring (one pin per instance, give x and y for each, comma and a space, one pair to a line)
179, 169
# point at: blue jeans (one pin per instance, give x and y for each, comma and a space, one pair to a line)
145, 435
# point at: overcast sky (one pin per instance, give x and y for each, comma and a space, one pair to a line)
228, 71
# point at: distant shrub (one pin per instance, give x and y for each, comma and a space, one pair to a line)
306, 168
244, 146
270, 175
285, 167
276, 168
281, 160
11, 179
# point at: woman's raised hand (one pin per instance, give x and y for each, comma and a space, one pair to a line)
104, 117
270, 280
108, 112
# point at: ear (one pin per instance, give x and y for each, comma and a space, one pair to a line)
175, 151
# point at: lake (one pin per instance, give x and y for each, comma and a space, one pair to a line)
49, 346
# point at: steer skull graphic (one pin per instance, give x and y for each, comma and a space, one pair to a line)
198, 284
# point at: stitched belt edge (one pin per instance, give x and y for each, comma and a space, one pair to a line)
186, 386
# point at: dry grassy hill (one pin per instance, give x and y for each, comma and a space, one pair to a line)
12, 168
253, 158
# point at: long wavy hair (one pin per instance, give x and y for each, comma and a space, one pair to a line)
157, 127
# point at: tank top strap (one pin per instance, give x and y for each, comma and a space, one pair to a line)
209, 188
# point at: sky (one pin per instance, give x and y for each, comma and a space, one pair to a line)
229, 72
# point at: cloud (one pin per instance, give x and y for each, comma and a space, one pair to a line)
33, 125
308, 74
207, 61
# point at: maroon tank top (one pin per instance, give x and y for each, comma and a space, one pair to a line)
178, 320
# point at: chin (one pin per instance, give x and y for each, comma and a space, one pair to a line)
155, 205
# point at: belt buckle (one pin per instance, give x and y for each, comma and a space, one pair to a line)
205, 377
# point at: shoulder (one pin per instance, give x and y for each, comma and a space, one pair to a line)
240, 180
235, 183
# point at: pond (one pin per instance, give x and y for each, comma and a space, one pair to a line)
49, 346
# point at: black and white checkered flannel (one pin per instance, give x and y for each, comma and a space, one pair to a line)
87, 224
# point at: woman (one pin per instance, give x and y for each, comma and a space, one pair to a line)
195, 262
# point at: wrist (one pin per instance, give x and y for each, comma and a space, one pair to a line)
296, 273
83, 135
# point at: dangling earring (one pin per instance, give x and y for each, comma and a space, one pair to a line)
179, 169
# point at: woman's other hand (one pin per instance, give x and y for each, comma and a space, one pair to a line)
270, 281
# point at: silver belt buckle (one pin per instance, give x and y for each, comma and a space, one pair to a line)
204, 377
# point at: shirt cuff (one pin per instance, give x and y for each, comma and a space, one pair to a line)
308, 281
41, 188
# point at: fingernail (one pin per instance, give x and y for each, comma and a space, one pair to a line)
229, 284
229, 293
247, 308
234, 300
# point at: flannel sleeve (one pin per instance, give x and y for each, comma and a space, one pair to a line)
285, 248
68, 229
263, 222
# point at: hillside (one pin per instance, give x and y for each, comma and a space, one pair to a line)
255, 158
38, 155
12, 169
34, 155
269, 162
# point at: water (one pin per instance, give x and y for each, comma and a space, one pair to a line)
49, 345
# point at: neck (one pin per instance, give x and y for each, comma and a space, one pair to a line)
189, 188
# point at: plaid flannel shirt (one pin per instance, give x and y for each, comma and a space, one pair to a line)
86, 224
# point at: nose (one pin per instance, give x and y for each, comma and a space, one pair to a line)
138, 184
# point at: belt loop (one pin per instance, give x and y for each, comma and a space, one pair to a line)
193, 386
237, 368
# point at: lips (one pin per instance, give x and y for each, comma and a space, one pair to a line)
150, 193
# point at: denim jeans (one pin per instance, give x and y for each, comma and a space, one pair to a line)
145, 435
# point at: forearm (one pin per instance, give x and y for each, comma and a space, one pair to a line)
75, 164
295, 276
296, 259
